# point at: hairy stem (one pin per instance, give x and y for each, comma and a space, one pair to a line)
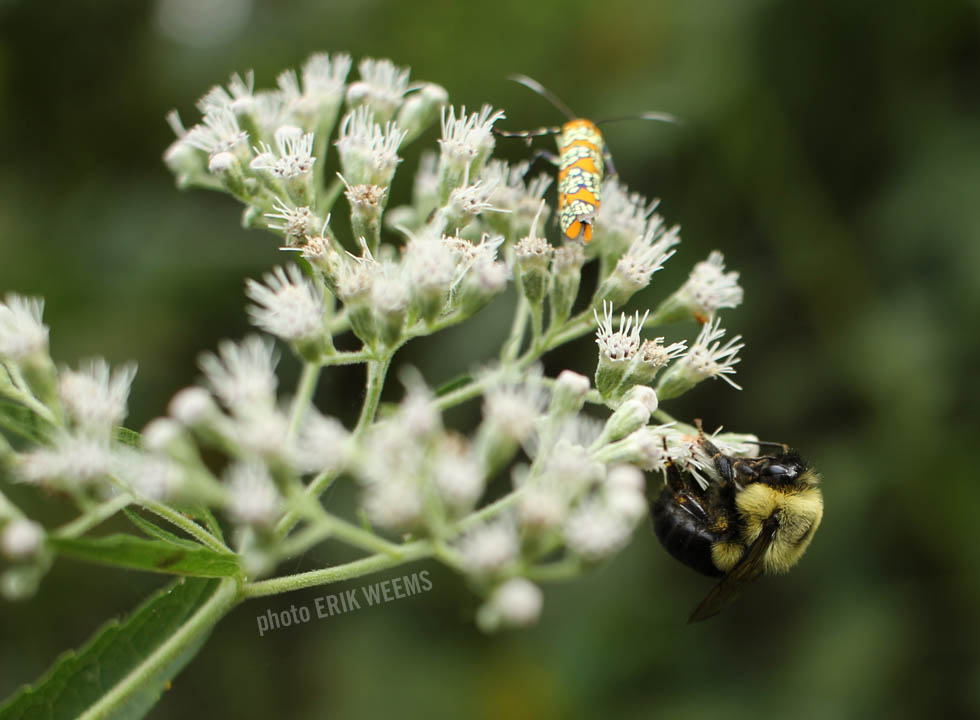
97, 515
301, 402
377, 370
358, 568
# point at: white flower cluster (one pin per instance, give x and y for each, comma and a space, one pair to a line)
232, 443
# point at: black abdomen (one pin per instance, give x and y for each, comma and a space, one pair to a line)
682, 533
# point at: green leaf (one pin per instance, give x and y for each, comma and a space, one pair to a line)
127, 437
153, 555
79, 679
450, 385
155, 531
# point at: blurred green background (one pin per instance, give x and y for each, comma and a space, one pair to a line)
831, 150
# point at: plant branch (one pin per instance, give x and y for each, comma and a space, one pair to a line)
406, 553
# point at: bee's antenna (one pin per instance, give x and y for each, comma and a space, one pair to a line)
544, 92
783, 446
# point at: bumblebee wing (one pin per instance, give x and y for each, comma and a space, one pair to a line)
745, 571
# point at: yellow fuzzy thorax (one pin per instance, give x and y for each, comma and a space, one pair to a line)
800, 511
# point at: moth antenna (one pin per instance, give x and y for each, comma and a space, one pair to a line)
532, 84
656, 116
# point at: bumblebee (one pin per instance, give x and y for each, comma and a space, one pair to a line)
755, 515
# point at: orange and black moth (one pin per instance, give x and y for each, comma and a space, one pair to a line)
582, 159
581, 153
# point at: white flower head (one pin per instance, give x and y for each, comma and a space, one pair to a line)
322, 444
710, 288
417, 413
296, 223
542, 505
515, 603
425, 186
324, 76
74, 460
152, 476
467, 137
260, 431
595, 531
708, 358
490, 548
468, 201
21, 539
368, 152
218, 132
686, 452
644, 448
237, 98
647, 254
623, 216
288, 305
429, 263
252, 495
356, 276
622, 344
162, 434
381, 87
322, 90
513, 407
292, 158
268, 110
93, 398
623, 490
738, 444
242, 375
511, 190
22, 334
655, 354
395, 504
458, 476
192, 406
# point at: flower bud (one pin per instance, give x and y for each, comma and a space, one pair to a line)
566, 273
628, 417
568, 395
21, 539
421, 109
515, 603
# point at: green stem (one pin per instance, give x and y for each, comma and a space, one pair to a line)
97, 515
365, 566
330, 196
377, 370
347, 358
25, 397
225, 597
512, 346
304, 394
488, 511
333, 526
567, 567
462, 394
339, 323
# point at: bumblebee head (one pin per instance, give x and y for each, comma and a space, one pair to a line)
786, 470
